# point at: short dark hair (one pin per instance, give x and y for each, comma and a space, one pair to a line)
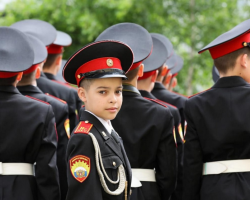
8, 81
224, 63
50, 60
27, 78
85, 83
132, 74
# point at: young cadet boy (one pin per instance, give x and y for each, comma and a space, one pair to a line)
47, 34
28, 136
98, 167
27, 86
145, 84
217, 148
145, 127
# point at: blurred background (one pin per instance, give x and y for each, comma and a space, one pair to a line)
189, 24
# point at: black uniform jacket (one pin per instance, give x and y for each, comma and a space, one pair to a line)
218, 130
177, 122
60, 110
77, 99
113, 155
61, 92
147, 131
160, 92
27, 135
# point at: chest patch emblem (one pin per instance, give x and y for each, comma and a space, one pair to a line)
80, 167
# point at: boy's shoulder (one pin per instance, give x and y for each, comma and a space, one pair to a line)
202, 93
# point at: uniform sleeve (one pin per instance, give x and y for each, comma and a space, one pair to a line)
62, 125
72, 111
46, 172
81, 145
192, 160
166, 159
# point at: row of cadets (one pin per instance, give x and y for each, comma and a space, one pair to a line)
54, 62
97, 164
146, 83
28, 136
217, 148
146, 127
28, 87
43, 30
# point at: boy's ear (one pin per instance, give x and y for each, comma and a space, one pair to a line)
174, 82
168, 79
19, 76
140, 72
82, 94
244, 60
164, 70
154, 76
38, 72
59, 60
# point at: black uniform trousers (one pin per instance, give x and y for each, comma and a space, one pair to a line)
61, 92
27, 135
60, 110
147, 131
113, 155
177, 123
218, 130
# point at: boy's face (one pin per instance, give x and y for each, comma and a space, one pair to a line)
103, 97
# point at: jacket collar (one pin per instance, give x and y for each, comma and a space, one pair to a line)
147, 94
130, 88
50, 76
29, 88
9, 89
159, 85
230, 81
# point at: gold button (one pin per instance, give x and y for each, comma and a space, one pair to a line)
78, 76
104, 134
110, 62
86, 122
244, 44
114, 164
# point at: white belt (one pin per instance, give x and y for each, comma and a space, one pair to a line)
138, 175
16, 169
228, 166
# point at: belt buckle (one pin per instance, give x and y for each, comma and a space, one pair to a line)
1, 168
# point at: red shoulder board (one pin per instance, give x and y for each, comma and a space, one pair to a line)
83, 127
37, 99
156, 101
198, 93
56, 98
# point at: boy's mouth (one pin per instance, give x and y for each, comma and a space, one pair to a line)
112, 109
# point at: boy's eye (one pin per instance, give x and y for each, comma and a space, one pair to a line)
102, 92
119, 91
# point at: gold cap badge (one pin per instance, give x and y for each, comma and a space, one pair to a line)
244, 44
110, 62
78, 76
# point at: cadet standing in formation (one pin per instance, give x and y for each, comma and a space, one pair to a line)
28, 137
217, 150
148, 140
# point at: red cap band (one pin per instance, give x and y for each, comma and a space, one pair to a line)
97, 64
54, 49
31, 69
8, 74
229, 46
146, 75
135, 65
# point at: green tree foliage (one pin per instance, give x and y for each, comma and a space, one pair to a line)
189, 24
